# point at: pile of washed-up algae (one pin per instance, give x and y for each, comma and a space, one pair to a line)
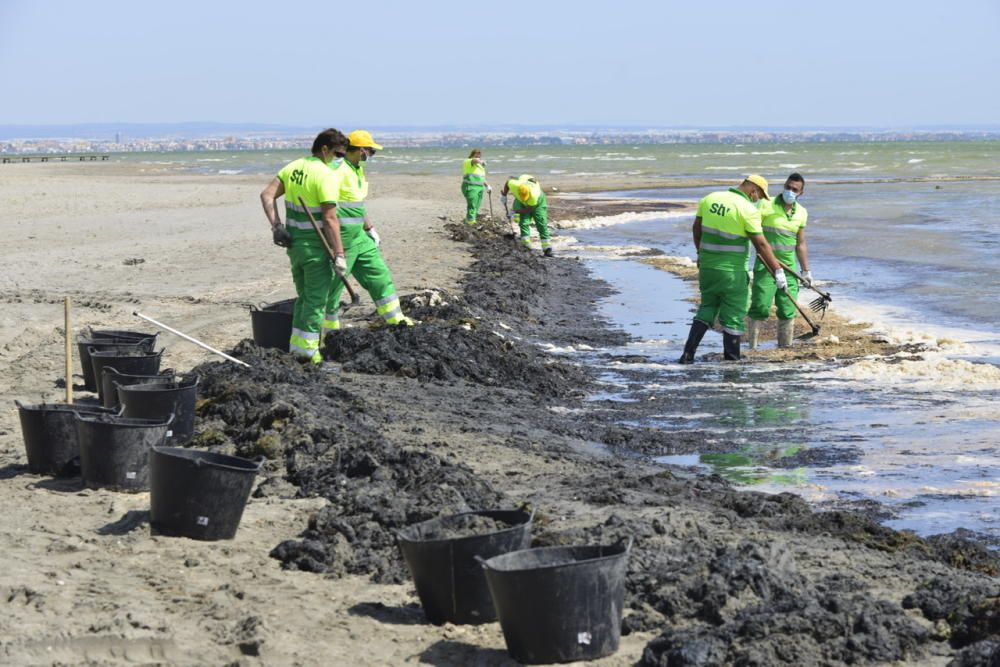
714, 602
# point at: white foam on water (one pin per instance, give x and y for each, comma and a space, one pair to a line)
915, 161
618, 219
230, 172
931, 371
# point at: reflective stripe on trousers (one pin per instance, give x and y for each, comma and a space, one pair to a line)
389, 308
305, 344
722, 248
331, 322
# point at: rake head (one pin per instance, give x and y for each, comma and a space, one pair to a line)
819, 304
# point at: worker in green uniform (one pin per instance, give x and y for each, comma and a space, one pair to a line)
361, 241
473, 184
784, 224
531, 205
314, 181
726, 224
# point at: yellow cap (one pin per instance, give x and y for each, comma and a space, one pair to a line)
759, 181
362, 139
524, 192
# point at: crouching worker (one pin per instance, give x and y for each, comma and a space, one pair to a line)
531, 205
361, 241
314, 181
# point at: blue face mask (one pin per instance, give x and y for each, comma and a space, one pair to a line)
789, 197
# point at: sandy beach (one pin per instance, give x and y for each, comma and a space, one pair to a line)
717, 575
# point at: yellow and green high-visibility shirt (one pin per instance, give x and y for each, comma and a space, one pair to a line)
514, 184
728, 217
351, 201
473, 174
315, 182
781, 228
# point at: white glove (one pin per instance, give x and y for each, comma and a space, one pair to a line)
489, 188
374, 236
807, 278
340, 265
780, 280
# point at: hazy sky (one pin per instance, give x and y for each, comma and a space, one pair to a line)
394, 62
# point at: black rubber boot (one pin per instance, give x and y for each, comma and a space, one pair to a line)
547, 252
698, 329
730, 347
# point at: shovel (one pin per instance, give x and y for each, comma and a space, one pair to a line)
490, 192
355, 299
812, 325
816, 305
510, 218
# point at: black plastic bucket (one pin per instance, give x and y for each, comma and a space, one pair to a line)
450, 582
86, 343
114, 451
49, 432
198, 494
272, 324
560, 604
119, 333
110, 377
131, 361
159, 401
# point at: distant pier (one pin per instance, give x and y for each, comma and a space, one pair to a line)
89, 157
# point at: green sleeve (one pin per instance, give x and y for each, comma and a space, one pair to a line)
702, 206
751, 220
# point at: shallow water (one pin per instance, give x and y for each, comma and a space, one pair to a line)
920, 436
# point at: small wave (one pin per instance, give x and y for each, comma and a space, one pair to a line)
230, 172
915, 160
792, 166
619, 219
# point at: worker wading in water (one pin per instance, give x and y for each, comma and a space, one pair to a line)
530, 204
726, 224
784, 223
316, 182
361, 241
473, 184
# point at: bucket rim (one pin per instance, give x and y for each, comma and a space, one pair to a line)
63, 407
111, 370
129, 422
401, 537
112, 353
192, 455
625, 545
183, 384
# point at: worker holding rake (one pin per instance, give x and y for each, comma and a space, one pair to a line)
309, 186
473, 184
784, 224
726, 224
530, 205
361, 242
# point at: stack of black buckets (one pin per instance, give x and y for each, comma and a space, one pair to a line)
132, 439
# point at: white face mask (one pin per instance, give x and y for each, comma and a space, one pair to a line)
789, 196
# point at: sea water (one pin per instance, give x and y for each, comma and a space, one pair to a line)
916, 260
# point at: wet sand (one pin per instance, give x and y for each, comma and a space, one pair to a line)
722, 575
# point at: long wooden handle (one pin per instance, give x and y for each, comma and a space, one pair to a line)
326, 244
68, 324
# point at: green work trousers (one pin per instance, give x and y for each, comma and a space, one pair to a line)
312, 274
473, 200
365, 263
724, 294
539, 215
765, 292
